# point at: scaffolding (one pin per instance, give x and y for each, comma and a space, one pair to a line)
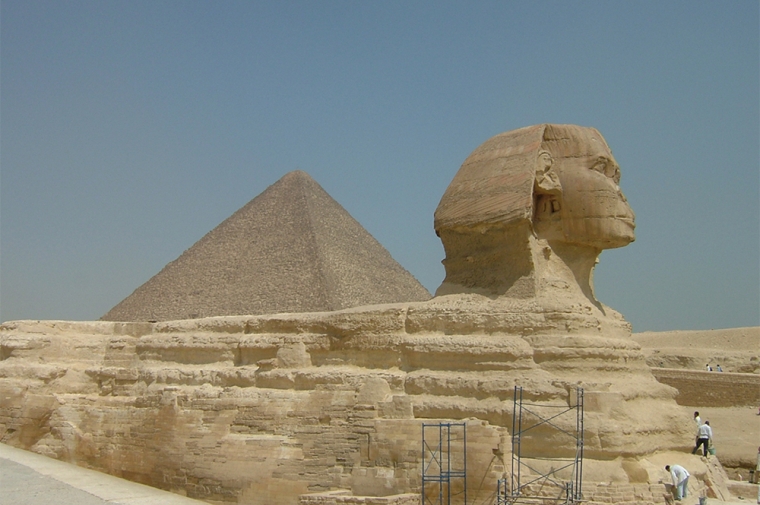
444, 460
543, 486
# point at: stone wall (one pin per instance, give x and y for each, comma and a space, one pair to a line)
715, 389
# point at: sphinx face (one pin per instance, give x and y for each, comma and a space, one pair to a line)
577, 194
593, 210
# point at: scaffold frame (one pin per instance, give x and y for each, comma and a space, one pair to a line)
444, 460
515, 489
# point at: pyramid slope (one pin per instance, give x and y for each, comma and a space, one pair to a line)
291, 249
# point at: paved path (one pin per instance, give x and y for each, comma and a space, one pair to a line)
27, 478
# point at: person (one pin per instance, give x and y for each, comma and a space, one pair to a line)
708, 367
680, 478
697, 419
718, 368
704, 437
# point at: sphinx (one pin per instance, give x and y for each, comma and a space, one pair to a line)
271, 408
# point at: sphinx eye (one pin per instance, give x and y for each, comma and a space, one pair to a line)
608, 169
600, 166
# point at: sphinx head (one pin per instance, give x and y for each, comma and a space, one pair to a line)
554, 184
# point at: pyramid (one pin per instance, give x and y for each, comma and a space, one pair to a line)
291, 249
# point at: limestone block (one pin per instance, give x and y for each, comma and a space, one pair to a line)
189, 349
373, 391
399, 407
25, 415
32, 371
293, 356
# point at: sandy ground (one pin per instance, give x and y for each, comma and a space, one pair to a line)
735, 349
736, 437
715, 340
736, 430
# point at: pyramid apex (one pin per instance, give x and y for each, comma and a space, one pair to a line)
297, 174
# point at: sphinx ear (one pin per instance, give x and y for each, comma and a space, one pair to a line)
547, 180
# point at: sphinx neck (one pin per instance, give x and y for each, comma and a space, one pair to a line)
565, 271
511, 261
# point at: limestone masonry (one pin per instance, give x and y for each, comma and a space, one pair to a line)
327, 406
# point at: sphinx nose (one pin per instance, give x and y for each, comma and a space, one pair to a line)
631, 216
627, 211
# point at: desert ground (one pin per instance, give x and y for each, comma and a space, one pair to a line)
735, 349
736, 430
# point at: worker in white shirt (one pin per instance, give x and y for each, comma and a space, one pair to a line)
704, 438
680, 479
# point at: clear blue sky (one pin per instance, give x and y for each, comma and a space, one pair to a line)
130, 129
